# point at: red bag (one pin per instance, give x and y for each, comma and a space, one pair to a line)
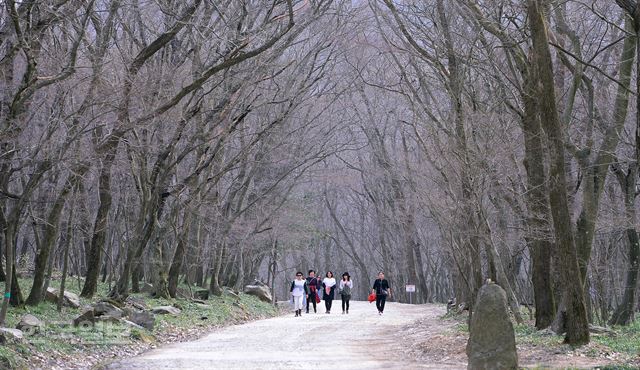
372, 297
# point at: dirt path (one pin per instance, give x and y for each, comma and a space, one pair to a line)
360, 340
405, 337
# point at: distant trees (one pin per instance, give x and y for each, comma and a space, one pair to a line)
152, 131
192, 143
41, 42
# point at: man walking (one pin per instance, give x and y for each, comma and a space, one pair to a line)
314, 285
382, 290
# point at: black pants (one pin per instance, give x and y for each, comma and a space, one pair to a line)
327, 303
311, 298
345, 302
380, 301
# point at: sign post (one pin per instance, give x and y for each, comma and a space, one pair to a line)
410, 288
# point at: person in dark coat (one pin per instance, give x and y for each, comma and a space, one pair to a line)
314, 285
382, 290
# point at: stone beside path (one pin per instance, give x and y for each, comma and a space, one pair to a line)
492, 341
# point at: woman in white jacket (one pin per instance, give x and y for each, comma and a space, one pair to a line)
299, 291
329, 285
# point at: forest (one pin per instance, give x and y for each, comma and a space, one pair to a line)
212, 143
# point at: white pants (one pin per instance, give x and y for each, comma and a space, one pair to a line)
297, 302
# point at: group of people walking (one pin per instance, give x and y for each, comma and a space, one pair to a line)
310, 290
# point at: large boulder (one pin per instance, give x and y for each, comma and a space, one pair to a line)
136, 302
201, 294
147, 288
87, 319
103, 308
51, 295
144, 319
258, 283
10, 335
183, 293
602, 330
261, 291
70, 299
492, 341
131, 324
229, 292
166, 310
29, 324
106, 319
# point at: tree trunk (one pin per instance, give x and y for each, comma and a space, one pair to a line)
577, 324
149, 216
9, 258
214, 285
17, 299
538, 228
50, 236
595, 173
159, 269
273, 270
423, 290
500, 274
178, 257
3, 277
624, 313
121, 288
3, 245
65, 260
455, 85
137, 274
545, 306
94, 257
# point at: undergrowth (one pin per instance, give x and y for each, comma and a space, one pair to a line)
623, 343
627, 339
59, 337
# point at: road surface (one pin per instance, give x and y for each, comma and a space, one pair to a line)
360, 340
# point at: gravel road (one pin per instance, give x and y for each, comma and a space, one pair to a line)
360, 340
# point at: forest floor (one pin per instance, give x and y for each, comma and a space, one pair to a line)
405, 337
443, 340
61, 346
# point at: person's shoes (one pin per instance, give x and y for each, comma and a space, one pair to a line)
307, 311
379, 312
343, 312
296, 313
347, 312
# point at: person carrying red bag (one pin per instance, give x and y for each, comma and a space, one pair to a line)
314, 285
381, 289
372, 297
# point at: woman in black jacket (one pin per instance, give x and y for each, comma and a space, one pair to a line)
315, 285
